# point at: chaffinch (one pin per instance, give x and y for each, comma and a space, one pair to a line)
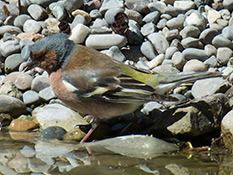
93, 83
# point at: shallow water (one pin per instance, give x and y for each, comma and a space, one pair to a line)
27, 153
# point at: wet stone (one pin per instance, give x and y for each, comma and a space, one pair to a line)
11, 105
53, 132
22, 125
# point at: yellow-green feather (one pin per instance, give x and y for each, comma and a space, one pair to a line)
149, 79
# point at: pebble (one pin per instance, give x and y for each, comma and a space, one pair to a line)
170, 51
223, 55
213, 16
220, 41
9, 47
190, 31
115, 52
20, 20
30, 97
31, 26
47, 94
12, 62
196, 19
39, 83
148, 50
11, 105
207, 35
210, 50
21, 80
58, 10
172, 34
148, 28
79, 33
194, 65
8, 88
226, 128
205, 87
228, 4
75, 134
27, 151
22, 125
71, 5
190, 42
84, 14
53, 132
176, 23
159, 41
57, 115
184, 5
151, 17
134, 15
9, 29
108, 4
211, 62
227, 32
156, 61
194, 53
150, 106
105, 41
37, 12
178, 60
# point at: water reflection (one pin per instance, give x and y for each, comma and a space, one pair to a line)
27, 153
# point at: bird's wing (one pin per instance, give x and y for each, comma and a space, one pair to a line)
113, 87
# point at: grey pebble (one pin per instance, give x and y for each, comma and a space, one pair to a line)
12, 62
194, 53
227, 32
172, 34
178, 60
9, 29
228, 4
148, 28
220, 41
190, 42
115, 52
95, 13
30, 97
202, 88
148, 50
151, 17
170, 51
211, 62
58, 10
39, 83
20, 20
11, 105
31, 26
71, 5
53, 132
223, 55
37, 12
9, 47
176, 23
47, 94
159, 41
207, 35
190, 31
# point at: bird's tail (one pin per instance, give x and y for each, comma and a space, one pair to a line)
172, 81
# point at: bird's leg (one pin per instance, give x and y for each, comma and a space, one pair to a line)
94, 123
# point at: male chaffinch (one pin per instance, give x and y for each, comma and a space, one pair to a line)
93, 83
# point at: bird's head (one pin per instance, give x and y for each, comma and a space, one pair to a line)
50, 52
